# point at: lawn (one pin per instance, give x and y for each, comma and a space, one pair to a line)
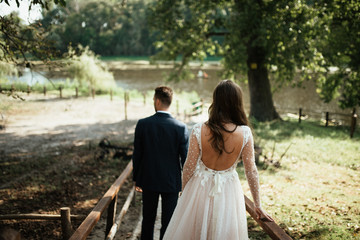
310, 181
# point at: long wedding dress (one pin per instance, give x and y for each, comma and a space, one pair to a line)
212, 204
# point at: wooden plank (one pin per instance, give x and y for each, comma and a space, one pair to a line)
37, 216
198, 104
90, 221
121, 215
196, 112
271, 228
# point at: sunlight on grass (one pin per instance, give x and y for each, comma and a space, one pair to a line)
314, 192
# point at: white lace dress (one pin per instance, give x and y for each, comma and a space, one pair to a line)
212, 204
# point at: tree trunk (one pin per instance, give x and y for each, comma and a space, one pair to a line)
261, 103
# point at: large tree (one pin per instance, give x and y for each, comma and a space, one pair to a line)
257, 37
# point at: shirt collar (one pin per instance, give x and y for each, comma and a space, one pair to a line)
167, 112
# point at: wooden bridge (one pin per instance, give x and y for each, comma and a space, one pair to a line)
109, 203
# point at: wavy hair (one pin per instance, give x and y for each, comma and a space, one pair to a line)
227, 107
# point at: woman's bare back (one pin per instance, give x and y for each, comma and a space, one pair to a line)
233, 144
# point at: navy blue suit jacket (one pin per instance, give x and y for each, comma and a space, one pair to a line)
160, 149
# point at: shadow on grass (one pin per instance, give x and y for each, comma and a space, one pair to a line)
282, 130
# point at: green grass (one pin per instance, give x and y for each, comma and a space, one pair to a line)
314, 193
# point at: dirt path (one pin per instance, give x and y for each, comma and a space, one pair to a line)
42, 127
41, 123
38, 125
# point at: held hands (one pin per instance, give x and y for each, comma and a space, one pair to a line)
262, 215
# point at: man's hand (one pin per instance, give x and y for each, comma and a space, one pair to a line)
138, 189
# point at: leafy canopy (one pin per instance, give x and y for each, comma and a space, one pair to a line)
308, 37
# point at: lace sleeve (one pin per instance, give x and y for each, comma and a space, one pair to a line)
192, 156
250, 167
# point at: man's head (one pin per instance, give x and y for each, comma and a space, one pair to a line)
162, 98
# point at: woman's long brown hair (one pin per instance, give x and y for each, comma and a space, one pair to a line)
227, 107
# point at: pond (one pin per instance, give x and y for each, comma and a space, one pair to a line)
144, 77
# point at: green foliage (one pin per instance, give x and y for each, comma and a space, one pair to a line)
43, 3
19, 43
282, 37
283, 30
7, 69
254, 38
341, 48
88, 71
107, 27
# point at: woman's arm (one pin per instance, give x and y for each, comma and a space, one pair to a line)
191, 159
252, 177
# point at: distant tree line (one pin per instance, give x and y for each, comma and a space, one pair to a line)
107, 27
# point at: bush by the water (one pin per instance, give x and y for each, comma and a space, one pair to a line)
87, 70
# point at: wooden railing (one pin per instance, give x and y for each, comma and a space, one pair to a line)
109, 201
196, 109
271, 228
64, 217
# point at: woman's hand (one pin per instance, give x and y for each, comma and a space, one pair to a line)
262, 215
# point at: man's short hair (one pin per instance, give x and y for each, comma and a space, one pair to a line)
164, 94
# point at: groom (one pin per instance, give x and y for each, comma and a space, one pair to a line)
160, 149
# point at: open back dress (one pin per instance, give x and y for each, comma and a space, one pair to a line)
212, 204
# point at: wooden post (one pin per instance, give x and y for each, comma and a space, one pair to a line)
144, 95
93, 217
111, 95
177, 108
12, 88
300, 114
28, 90
60, 89
66, 227
126, 98
327, 119
111, 215
93, 93
353, 123
44, 91
76, 92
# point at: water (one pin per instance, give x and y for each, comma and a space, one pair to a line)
35, 77
146, 77
287, 100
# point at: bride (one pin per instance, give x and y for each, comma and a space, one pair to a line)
212, 204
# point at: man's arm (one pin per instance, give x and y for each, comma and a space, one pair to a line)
137, 154
184, 146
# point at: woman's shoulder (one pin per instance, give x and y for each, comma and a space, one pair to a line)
197, 126
245, 128
246, 132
